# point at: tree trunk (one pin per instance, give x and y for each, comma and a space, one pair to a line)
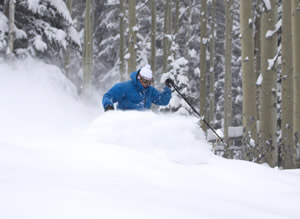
132, 36
249, 80
6, 7
11, 33
166, 35
296, 68
203, 41
212, 69
67, 55
88, 46
257, 38
153, 35
257, 51
122, 44
268, 94
228, 74
188, 29
288, 150
176, 21
176, 28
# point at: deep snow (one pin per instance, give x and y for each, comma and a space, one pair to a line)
63, 158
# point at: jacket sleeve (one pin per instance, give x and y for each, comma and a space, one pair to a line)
113, 95
162, 98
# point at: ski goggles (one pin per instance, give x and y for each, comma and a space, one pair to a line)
145, 80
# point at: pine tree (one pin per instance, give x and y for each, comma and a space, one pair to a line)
41, 34
177, 68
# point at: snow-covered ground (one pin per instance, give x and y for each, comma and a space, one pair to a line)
62, 158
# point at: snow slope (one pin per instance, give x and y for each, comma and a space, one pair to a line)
61, 158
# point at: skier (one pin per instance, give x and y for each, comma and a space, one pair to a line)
137, 94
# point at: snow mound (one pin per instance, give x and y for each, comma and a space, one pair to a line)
175, 137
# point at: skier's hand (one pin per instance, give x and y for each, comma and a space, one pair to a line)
109, 107
169, 82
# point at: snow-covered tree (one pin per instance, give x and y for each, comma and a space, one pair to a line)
177, 72
44, 29
179, 58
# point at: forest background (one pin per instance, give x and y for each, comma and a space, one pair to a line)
238, 67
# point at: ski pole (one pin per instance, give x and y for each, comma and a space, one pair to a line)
173, 85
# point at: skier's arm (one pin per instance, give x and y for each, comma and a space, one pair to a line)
162, 98
112, 96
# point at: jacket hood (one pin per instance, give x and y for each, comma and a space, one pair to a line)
136, 82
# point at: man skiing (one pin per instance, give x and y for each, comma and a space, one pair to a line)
137, 94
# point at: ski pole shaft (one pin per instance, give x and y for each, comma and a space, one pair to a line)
197, 113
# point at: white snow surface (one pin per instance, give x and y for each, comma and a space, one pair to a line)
62, 158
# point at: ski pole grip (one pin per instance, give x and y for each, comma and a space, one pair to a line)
169, 82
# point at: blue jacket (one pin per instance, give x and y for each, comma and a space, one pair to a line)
131, 95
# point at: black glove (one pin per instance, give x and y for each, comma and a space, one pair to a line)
109, 107
169, 82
